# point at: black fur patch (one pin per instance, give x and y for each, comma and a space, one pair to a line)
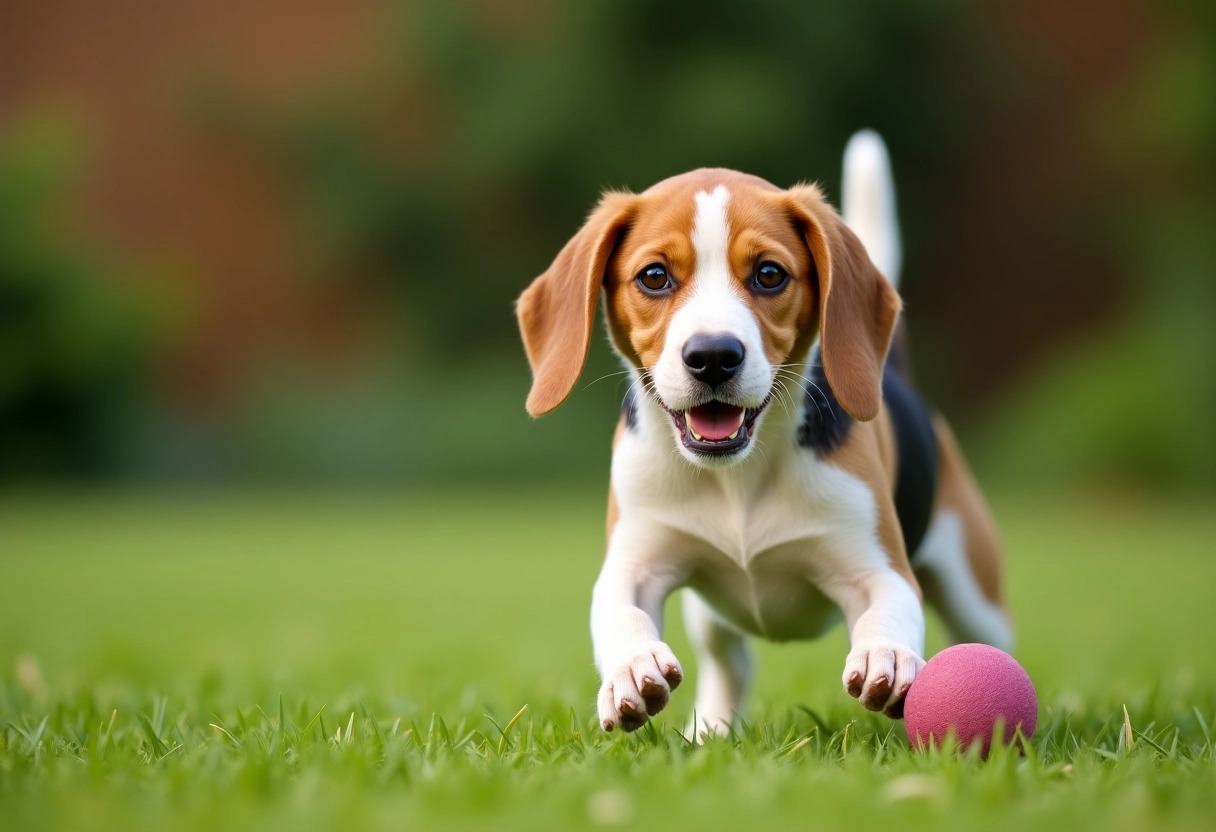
826, 424
629, 408
916, 444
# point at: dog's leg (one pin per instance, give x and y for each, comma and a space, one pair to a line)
959, 562
637, 670
724, 667
886, 628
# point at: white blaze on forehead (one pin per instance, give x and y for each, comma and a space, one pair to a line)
711, 239
716, 305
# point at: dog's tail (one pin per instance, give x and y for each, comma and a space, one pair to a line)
868, 206
868, 201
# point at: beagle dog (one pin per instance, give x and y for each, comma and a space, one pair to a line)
771, 458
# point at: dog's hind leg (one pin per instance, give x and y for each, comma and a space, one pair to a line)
724, 668
958, 564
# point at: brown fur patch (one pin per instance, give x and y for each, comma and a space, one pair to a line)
858, 306
660, 232
614, 511
557, 312
869, 454
762, 231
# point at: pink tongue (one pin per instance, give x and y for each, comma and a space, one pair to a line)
715, 421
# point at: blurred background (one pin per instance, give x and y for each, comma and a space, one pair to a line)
262, 426
280, 242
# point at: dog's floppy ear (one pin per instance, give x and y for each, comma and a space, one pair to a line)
858, 307
557, 312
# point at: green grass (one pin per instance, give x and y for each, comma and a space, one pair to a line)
312, 661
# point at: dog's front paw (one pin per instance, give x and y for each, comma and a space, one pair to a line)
879, 675
639, 687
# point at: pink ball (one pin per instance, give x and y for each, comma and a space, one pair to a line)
968, 687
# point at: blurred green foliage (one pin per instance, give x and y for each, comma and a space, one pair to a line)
512, 128
436, 185
75, 348
457, 175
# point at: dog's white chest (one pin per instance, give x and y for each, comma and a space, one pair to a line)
755, 543
771, 596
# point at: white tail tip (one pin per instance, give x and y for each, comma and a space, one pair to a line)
868, 201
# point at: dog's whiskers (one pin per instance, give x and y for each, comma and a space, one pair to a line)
607, 375
801, 381
783, 395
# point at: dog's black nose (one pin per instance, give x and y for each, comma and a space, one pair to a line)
713, 359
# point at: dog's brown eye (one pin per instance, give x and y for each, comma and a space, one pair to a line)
770, 278
654, 280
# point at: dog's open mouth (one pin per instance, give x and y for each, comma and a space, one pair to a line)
716, 428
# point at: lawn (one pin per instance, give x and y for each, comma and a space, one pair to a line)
374, 661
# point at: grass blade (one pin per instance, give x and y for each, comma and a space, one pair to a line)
317, 716
823, 726
227, 734
1145, 737
157, 746
506, 732
278, 731
370, 717
1203, 726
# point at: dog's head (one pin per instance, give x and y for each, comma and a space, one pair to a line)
716, 284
